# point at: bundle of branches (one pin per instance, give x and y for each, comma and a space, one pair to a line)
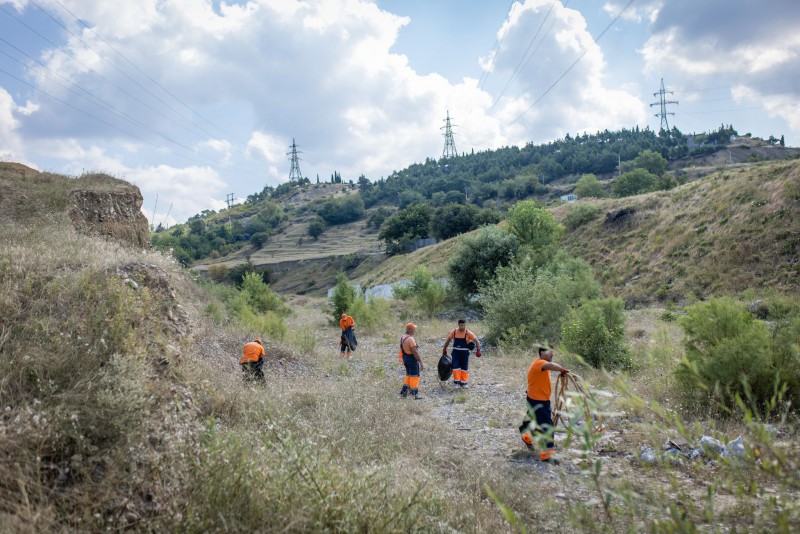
563, 409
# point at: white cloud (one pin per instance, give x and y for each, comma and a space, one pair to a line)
10, 142
639, 11
189, 190
751, 50
580, 101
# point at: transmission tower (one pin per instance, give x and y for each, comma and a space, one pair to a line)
449, 145
294, 173
662, 103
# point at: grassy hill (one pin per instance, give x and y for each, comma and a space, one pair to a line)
124, 408
735, 229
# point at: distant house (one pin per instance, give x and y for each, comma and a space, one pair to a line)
569, 198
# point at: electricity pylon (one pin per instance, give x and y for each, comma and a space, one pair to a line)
662, 103
449, 145
294, 172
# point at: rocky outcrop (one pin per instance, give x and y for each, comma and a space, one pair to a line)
115, 214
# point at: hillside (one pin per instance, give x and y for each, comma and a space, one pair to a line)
124, 407
735, 229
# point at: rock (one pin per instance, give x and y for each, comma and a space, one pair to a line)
619, 216
116, 214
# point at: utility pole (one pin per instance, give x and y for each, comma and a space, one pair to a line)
229, 201
662, 103
449, 145
294, 172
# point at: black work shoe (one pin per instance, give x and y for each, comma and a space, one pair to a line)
553, 461
464, 385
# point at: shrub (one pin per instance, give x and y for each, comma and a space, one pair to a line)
428, 294
533, 225
260, 296
218, 272
402, 228
316, 227
522, 307
580, 214
634, 182
344, 294
589, 186
478, 257
370, 314
342, 210
730, 353
595, 331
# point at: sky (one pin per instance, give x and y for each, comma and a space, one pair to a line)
193, 100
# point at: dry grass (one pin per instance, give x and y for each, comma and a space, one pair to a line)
733, 230
113, 421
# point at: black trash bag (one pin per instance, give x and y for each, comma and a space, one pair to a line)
471, 345
445, 367
349, 339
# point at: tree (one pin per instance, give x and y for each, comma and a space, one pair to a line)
634, 182
477, 258
342, 298
453, 219
316, 227
533, 225
651, 161
782, 142
401, 229
589, 186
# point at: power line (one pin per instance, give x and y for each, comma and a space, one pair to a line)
497, 44
596, 39
125, 74
519, 66
167, 91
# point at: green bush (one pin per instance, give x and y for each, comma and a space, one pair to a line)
522, 307
260, 296
370, 314
634, 182
595, 331
589, 186
534, 226
341, 301
428, 294
730, 354
478, 257
316, 227
580, 214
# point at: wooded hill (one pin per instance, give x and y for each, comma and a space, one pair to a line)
441, 199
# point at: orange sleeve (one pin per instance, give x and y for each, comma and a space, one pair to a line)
451, 336
469, 336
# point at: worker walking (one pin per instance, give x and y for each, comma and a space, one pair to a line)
252, 361
412, 362
463, 341
538, 399
347, 340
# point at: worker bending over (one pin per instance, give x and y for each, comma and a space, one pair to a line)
252, 361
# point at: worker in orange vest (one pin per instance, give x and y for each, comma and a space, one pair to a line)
463, 341
412, 362
539, 410
252, 361
346, 323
